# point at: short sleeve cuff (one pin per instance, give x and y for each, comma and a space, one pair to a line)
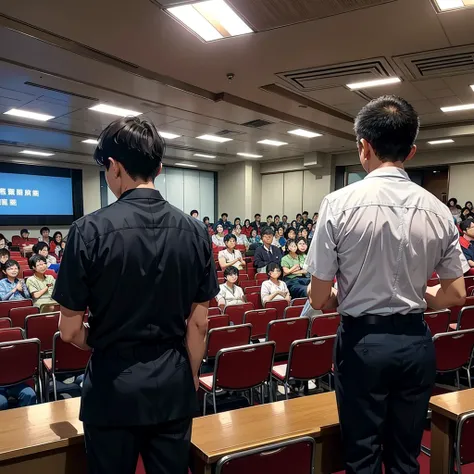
320, 275
450, 274
65, 301
204, 297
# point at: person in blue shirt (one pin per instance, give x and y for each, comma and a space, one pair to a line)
11, 288
224, 222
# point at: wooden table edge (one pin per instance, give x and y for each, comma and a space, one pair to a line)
445, 412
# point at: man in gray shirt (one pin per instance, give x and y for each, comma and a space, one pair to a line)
382, 238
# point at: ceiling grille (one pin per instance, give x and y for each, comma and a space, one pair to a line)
59, 91
257, 123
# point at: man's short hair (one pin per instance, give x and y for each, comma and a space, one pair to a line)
40, 246
135, 144
305, 212
44, 229
284, 215
224, 214
231, 271
298, 215
11, 263
466, 224
269, 216
24, 231
34, 260
228, 237
257, 215
268, 231
4, 252
206, 218
194, 211
276, 215
390, 124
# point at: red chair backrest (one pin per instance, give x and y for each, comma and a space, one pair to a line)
252, 289
249, 283
28, 273
456, 309
466, 318
469, 281
324, 325
214, 311
293, 312
18, 315
17, 240
220, 321
259, 319
6, 306
67, 357
11, 334
5, 323
220, 274
19, 361
279, 305
51, 272
453, 349
438, 321
311, 358
243, 277
433, 281
43, 327
466, 443
470, 291
230, 336
255, 299
295, 456
240, 248
261, 277
244, 367
284, 331
236, 312
251, 272
298, 301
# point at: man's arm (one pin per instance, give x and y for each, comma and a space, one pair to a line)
321, 294
448, 293
196, 334
73, 329
258, 260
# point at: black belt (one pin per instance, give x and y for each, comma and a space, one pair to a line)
376, 319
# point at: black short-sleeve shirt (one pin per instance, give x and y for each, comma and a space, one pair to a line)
139, 265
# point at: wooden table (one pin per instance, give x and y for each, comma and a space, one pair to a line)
216, 436
446, 409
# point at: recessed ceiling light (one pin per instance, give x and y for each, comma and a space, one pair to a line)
215, 138
91, 141
250, 155
472, 87
187, 165
211, 20
304, 133
441, 142
444, 5
36, 153
169, 136
458, 108
202, 155
376, 83
111, 110
272, 142
29, 115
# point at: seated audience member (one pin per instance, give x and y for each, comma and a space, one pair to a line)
240, 238
4, 257
295, 274
230, 257
39, 285
237, 222
247, 228
310, 228
194, 213
254, 238
290, 233
11, 287
42, 248
226, 225
269, 222
256, 224
304, 233
55, 245
284, 222
267, 253
466, 214
306, 219
299, 219
466, 240
274, 289
315, 218
295, 225
276, 222
23, 393
208, 224
468, 205
61, 251
281, 237
218, 237
45, 235
230, 294
25, 234
455, 209
3, 242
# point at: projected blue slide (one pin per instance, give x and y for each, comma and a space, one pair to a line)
24, 194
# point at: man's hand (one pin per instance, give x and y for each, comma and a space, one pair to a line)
19, 286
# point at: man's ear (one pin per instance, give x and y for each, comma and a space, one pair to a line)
116, 167
412, 153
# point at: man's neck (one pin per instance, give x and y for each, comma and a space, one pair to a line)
469, 239
40, 276
11, 280
267, 246
137, 185
230, 285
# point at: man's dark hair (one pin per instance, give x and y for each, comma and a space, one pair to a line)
228, 237
257, 215
205, 219
224, 214
465, 224
24, 231
40, 246
230, 271
135, 144
11, 263
305, 212
390, 124
284, 215
34, 260
4, 252
268, 231
269, 216
298, 215
44, 229
273, 266
276, 215
194, 211
288, 231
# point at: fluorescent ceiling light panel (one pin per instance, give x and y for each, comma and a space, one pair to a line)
458, 108
304, 133
36, 153
169, 136
91, 141
202, 155
187, 165
272, 142
444, 5
375, 83
111, 110
215, 138
441, 142
250, 155
472, 87
30, 115
211, 19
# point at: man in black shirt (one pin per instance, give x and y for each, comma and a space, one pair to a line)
146, 272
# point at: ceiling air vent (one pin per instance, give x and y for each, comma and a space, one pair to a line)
228, 133
59, 91
256, 123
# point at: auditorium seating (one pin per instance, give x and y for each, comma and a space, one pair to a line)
222, 320
254, 298
214, 311
284, 331
293, 312
43, 327
18, 315
438, 321
259, 320
298, 301
230, 336
5, 323
11, 334
466, 318
279, 305
236, 312
324, 325
464, 442
5, 306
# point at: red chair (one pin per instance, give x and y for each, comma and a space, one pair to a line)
295, 456
433, 281
249, 284
6, 306
279, 305
27, 273
454, 309
293, 312
470, 291
298, 301
18, 315
284, 331
252, 289
469, 281
5, 323
453, 352
243, 277
239, 369
221, 280
214, 311
43, 327
309, 359
66, 359
464, 442
236, 312
324, 325
17, 240
229, 336
220, 274
466, 318
220, 321
255, 299
51, 273
259, 319
438, 321
20, 362
251, 272
11, 334
261, 277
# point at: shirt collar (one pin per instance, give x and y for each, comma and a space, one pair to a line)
388, 171
141, 193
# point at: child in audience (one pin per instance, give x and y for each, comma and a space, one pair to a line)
230, 294
274, 289
295, 274
11, 287
4, 257
290, 233
44, 231
241, 239
40, 286
218, 237
255, 238
55, 245
42, 248
304, 233
230, 256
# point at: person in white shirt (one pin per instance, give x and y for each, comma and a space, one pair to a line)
240, 238
274, 289
218, 237
231, 257
42, 248
230, 294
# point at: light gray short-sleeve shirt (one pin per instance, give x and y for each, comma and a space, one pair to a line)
383, 237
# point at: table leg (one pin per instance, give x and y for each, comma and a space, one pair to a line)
200, 467
442, 441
